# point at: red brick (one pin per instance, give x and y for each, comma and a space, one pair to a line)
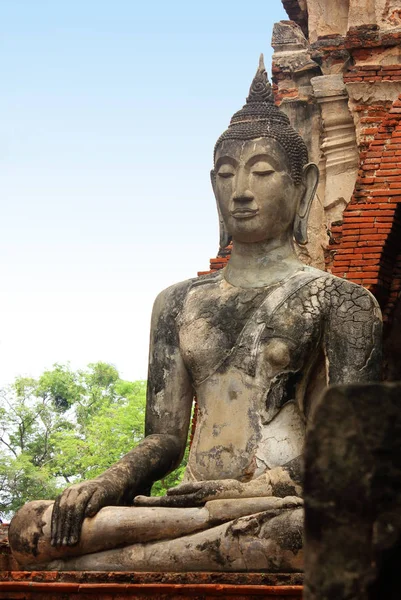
380, 213
369, 131
342, 264
382, 180
365, 180
369, 120
388, 159
348, 244
388, 172
344, 256
358, 220
377, 144
384, 227
364, 274
371, 161
350, 238
372, 252
368, 230
377, 193
352, 231
363, 262
374, 206
373, 237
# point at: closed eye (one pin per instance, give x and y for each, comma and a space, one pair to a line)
263, 173
225, 174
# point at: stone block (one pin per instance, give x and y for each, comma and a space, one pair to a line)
353, 494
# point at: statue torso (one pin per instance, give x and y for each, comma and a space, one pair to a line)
250, 353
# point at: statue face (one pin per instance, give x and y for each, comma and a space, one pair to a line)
257, 197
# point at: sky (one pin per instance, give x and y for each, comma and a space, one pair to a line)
109, 114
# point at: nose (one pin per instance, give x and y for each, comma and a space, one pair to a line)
242, 193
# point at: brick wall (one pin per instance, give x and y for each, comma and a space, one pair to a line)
367, 244
219, 262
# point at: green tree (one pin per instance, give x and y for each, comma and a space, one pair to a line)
67, 426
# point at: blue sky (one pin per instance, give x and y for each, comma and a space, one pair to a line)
110, 111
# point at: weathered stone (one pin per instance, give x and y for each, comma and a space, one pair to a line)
352, 494
292, 58
338, 146
288, 36
297, 11
327, 18
256, 342
384, 13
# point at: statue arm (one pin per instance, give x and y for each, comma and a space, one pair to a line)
168, 410
169, 393
353, 336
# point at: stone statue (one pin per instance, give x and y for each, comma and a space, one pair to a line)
256, 342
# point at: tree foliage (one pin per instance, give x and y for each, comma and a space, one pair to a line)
67, 426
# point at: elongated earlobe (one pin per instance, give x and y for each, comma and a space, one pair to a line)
225, 238
310, 179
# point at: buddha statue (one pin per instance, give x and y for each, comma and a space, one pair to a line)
256, 343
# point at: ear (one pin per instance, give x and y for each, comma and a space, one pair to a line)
225, 239
310, 179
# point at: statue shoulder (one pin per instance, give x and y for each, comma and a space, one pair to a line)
347, 297
171, 299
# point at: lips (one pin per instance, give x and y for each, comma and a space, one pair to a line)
244, 213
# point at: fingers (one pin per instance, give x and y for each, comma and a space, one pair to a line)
292, 501
55, 528
147, 500
68, 515
77, 516
95, 503
185, 488
181, 501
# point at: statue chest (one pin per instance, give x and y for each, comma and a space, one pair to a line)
223, 328
249, 353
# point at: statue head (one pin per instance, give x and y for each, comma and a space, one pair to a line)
263, 183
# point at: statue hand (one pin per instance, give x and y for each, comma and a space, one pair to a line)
195, 494
77, 502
